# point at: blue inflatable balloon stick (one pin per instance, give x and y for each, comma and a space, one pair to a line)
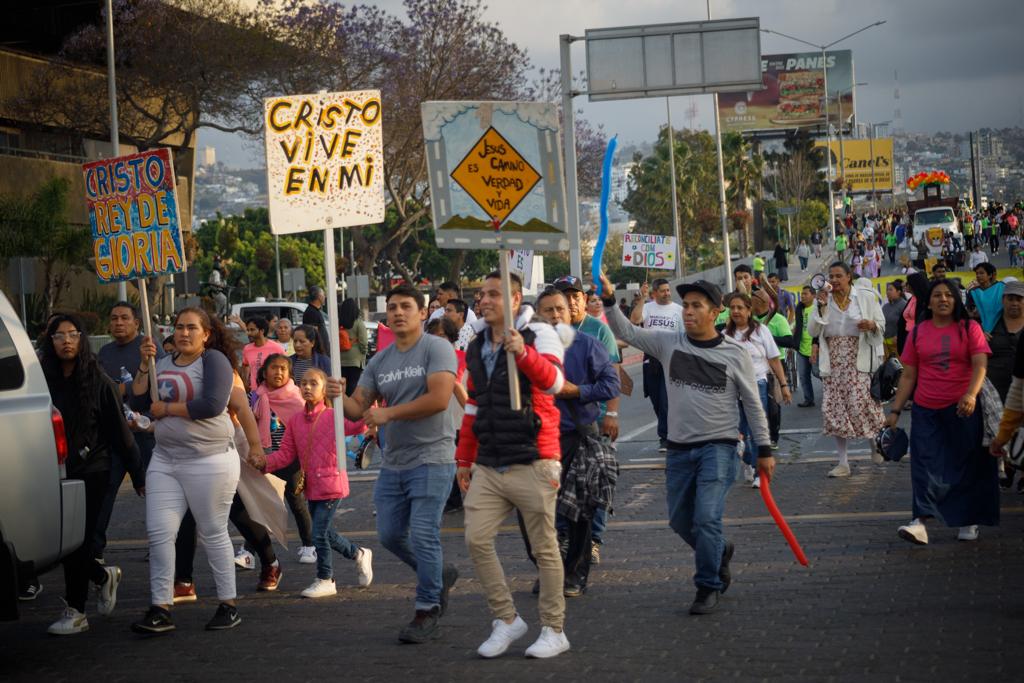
606, 190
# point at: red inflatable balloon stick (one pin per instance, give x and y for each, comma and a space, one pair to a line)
780, 521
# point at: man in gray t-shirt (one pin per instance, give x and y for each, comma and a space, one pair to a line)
400, 377
415, 378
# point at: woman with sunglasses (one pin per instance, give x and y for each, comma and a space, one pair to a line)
95, 427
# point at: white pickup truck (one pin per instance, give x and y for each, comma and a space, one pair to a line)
935, 223
42, 513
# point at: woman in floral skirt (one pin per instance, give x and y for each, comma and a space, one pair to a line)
849, 324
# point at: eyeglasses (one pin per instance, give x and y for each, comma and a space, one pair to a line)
61, 336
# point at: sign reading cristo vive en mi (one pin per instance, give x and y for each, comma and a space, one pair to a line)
133, 214
325, 165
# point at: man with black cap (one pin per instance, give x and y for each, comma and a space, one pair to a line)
707, 375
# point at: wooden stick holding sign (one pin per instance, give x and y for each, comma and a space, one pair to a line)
330, 273
147, 327
504, 258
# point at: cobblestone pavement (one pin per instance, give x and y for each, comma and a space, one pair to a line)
869, 607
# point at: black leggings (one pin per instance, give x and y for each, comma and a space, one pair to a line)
296, 501
256, 537
81, 567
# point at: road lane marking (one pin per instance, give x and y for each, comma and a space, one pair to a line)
637, 432
814, 518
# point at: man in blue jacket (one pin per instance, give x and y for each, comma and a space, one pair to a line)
590, 377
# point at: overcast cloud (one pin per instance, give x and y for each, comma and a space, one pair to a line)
960, 63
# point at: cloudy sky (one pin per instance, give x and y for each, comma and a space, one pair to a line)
960, 63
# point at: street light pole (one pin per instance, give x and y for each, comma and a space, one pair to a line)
675, 201
115, 142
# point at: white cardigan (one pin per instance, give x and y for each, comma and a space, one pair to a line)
870, 352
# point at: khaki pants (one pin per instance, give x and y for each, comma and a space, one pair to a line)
492, 495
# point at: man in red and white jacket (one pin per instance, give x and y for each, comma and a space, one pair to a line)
509, 459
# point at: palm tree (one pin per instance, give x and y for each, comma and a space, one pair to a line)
744, 172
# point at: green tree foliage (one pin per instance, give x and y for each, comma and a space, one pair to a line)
650, 195
37, 226
246, 247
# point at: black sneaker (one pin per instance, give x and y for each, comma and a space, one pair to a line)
663, 446
422, 628
705, 602
724, 574
156, 621
31, 591
449, 575
226, 617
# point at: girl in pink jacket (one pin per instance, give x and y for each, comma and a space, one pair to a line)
309, 436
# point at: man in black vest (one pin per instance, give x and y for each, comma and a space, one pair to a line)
509, 459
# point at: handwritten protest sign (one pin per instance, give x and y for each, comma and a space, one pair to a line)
495, 161
325, 164
133, 214
649, 251
521, 263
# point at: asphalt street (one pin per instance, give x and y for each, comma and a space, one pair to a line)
870, 607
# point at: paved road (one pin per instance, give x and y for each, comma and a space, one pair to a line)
869, 608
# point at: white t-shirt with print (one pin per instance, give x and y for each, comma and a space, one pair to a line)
667, 317
762, 348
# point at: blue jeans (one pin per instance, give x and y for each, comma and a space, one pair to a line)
749, 447
803, 368
696, 482
409, 508
325, 537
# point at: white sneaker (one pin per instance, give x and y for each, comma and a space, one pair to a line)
320, 588
71, 622
307, 555
107, 593
748, 474
876, 455
364, 565
914, 532
550, 644
968, 533
839, 471
502, 635
244, 559
756, 484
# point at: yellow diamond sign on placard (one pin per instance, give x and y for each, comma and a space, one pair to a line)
495, 175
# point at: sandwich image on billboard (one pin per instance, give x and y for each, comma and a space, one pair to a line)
793, 94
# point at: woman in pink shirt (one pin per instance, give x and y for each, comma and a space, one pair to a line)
944, 361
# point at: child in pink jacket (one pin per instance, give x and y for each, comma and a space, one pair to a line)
309, 436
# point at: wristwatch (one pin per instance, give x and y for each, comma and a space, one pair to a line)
611, 413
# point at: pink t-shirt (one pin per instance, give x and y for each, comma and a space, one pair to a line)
942, 356
253, 356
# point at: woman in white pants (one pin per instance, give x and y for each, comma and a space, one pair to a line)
195, 465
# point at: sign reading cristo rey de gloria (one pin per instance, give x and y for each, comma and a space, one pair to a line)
495, 161
133, 214
325, 164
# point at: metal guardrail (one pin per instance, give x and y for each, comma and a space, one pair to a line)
39, 154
